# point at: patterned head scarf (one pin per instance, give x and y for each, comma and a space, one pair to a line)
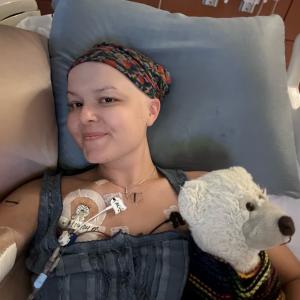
151, 78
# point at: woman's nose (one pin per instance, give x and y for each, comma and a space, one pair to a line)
87, 114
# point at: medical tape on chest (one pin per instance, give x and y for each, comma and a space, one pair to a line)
107, 197
81, 227
173, 208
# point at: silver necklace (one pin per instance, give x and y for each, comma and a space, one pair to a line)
126, 189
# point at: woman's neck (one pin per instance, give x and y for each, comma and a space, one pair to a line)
129, 170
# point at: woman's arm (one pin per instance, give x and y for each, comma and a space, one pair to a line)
288, 268
18, 222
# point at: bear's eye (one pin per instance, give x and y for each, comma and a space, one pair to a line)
250, 206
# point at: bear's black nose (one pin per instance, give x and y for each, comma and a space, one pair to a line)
286, 225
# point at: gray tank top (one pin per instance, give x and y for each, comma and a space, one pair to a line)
123, 267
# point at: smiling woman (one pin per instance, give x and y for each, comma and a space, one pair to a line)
120, 89
114, 95
107, 112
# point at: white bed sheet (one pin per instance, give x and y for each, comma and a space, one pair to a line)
39, 24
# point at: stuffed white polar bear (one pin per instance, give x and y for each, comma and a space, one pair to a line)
231, 218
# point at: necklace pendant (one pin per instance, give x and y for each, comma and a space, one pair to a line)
126, 193
136, 197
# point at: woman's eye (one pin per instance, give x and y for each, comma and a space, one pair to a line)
250, 206
74, 105
107, 100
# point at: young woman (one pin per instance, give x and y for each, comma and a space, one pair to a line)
133, 250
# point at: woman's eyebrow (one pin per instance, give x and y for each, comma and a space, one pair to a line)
105, 88
72, 93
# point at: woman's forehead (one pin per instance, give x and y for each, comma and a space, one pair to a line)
98, 78
91, 69
97, 75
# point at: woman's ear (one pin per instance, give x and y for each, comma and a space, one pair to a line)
154, 109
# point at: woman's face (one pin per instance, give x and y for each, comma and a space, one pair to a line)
108, 115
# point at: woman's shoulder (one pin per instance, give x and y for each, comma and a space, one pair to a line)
33, 188
26, 190
194, 174
22, 204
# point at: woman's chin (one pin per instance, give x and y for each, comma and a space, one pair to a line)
94, 157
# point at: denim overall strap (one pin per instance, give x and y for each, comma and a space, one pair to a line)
176, 178
49, 212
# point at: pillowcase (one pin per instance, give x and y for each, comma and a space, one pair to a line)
228, 103
296, 119
28, 130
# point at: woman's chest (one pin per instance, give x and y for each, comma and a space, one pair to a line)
88, 208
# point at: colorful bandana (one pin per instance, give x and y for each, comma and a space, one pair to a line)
151, 78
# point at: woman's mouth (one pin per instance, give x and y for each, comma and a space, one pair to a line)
91, 136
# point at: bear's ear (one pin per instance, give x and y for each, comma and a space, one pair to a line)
191, 198
241, 172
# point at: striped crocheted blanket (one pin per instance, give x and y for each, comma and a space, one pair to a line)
212, 279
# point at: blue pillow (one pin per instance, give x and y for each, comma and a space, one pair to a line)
228, 104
